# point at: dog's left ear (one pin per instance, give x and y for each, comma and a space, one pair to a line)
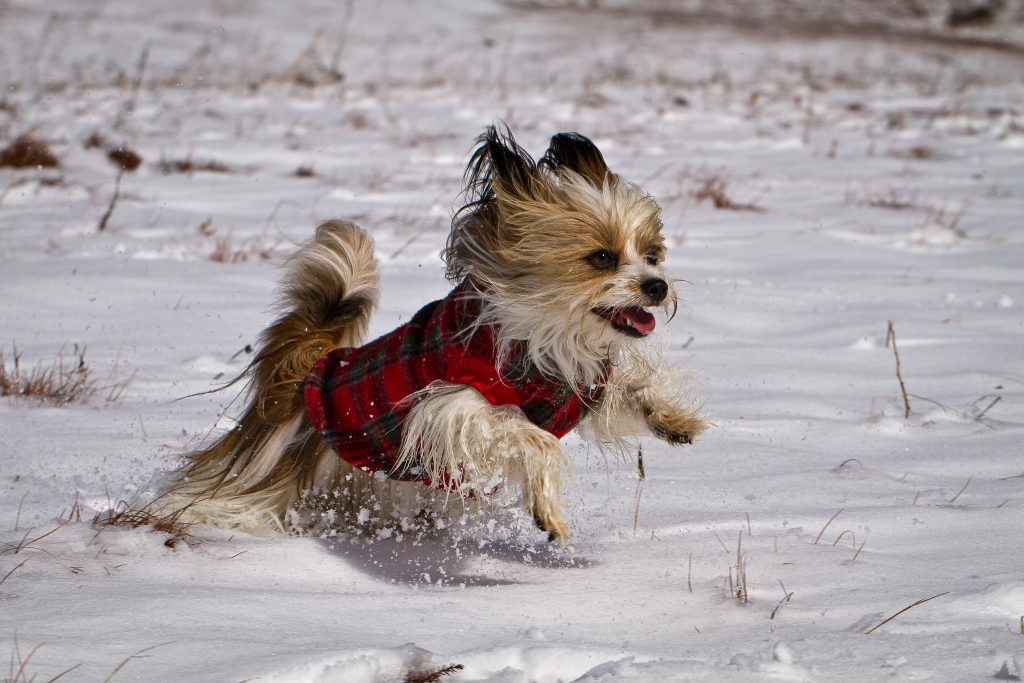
576, 153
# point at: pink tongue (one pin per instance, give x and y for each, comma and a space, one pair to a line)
637, 318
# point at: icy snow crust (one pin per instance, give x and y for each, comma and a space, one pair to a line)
878, 180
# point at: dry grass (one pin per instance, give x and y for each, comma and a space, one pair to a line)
131, 515
226, 251
124, 158
190, 165
61, 382
910, 606
432, 676
18, 669
739, 591
28, 152
713, 188
894, 199
916, 153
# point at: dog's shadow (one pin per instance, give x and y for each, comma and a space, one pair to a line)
443, 560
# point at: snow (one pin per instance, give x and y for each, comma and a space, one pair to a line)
784, 329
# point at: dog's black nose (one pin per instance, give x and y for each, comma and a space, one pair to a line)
655, 289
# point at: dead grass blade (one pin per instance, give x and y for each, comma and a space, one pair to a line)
786, 597
113, 201
891, 337
910, 606
141, 654
830, 520
16, 568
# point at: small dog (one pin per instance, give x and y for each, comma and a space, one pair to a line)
555, 263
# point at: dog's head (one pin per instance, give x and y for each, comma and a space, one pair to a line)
567, 255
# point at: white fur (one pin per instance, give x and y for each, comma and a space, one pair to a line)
479, 446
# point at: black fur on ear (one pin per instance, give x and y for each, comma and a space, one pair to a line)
575, 152
499, 163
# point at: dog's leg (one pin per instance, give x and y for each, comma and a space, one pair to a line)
455, 434
671, 422
642, 397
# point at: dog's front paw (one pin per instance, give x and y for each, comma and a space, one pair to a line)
548, 519
675, 427
672, 437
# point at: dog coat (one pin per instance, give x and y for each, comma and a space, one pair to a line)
358, 398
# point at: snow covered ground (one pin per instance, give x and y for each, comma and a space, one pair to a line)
871, 180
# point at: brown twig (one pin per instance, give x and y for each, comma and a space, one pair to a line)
830, 520
113, 202
964, 488
19, 566
995, 400
891, 336
910, 606
787, 595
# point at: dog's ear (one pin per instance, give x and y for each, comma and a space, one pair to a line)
499, 166
576, 153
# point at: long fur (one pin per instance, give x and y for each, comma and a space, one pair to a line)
251, 475
557, 251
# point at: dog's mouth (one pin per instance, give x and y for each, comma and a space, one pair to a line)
632, 321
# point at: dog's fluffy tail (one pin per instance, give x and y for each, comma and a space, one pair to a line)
250, 476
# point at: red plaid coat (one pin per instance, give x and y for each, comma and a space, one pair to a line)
359, 398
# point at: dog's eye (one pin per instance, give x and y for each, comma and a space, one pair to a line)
601, 259
652, 259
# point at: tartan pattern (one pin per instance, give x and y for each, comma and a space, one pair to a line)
359, 398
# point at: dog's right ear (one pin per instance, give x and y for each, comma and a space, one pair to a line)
500, 167
576, 153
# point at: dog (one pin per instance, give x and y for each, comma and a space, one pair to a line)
556, 263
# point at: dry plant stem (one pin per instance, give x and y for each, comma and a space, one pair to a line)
741, 571
21, 564
689, 574
843, 533
19, 675
910, 606
25, 543
129, 105
636, 509
113, 202
830, 520
750, 531
857, 552
719, 539
962, 489
17, 517
432, 676
141, 654
891, 337
641, 477
787, 596
996, 400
